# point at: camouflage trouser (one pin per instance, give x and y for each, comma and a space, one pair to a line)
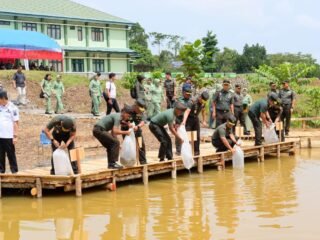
59, 106
48, 104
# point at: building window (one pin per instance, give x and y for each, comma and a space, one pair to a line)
80, 35
4, 23
77, 65
98, 65
97, 34
72, 28
29, 27
54, 31
55, 66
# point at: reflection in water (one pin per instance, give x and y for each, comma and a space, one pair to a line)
261, 199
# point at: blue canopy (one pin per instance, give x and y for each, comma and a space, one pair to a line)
28, 45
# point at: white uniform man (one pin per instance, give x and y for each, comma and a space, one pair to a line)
9, 117
19, 83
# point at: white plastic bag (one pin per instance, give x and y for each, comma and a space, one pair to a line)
61, 162
238, 157
128, 152
269, 134
186, 150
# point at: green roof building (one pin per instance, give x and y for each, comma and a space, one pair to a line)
92, 40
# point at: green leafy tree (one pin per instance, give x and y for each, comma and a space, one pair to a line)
210, 51
226, 61
138, 41
158, 39
164, 60
175, 43
279, 58
129, 79
251, 58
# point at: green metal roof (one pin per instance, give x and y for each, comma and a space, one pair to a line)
57, 9
93, 49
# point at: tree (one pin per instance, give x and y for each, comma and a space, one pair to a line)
191, 55
164, 60
158, 39
251, 58
138, 36
175, 43
279, 58
226, 61
138, 41
210, 50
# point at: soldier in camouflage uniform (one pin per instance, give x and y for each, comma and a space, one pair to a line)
288, 99
222, 104
59, 91
238, 108
138, 117
95, 93
148, 96
170, 87
185, 99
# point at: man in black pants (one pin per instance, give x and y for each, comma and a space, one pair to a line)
238, 108
157, 128
170, 88
110, 94
9, 117
260, 110
191, 118
139, 118
288, 99
62, 132
223, 138
222, 104
101, 131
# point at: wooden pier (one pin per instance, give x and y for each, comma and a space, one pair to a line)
95, 172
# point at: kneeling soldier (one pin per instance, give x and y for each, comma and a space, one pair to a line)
61, 129
108, 139
223, 138
157, 128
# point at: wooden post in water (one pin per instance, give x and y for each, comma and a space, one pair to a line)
39, 188
78, 186
0, 189
221, 164
278, 150
200, 165
174, 169
262, 154
309, 143
145, 175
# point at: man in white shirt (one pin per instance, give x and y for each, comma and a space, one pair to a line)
111, 94
9, 117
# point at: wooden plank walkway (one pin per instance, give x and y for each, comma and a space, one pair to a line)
95, 172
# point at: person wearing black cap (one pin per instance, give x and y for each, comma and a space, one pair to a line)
222, 104
157, 124
288, 100
223, 138
170, 87
260, 110
61, 130
139, 118
101, 131
9, 119
187, 101
238, 108
191, 117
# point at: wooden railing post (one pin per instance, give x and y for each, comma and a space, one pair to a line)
39, 187
200, 165
78, 186
174, 170
145, 175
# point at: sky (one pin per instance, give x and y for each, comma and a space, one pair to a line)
280, 25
